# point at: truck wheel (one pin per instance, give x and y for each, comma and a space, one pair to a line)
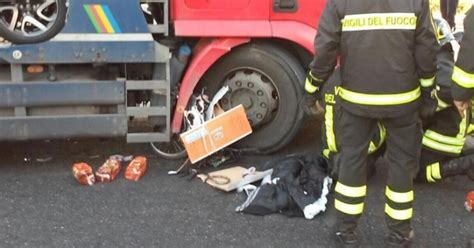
31, 21
268, 81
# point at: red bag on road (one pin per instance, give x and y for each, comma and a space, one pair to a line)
470, 201
83, 173
108, 171
136, 169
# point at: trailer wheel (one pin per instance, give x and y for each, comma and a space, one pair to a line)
268, 81
31, 21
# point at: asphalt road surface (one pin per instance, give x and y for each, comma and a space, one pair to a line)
41, 205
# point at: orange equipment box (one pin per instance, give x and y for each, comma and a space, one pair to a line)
216, 134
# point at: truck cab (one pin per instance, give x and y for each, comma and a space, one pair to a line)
104, 68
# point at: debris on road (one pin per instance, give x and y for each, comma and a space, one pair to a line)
108, 171
470, 201
215, 134
298, 187
121, 158
44, 159
180, 168
136, 169
83, 173
232, 178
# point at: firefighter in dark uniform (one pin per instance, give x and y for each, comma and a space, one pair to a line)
446, 149
463, 73
387, 51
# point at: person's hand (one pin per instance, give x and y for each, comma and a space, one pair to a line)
462, 106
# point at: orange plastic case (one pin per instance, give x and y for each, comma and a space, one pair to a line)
470, 201
136, 169
108, 171
83, 173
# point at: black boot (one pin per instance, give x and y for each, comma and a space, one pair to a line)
395, 240
347, 239
459, 166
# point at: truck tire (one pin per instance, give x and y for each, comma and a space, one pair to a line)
268, 81
46, 19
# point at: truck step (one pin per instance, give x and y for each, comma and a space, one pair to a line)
147, 137
147, 85
142, 112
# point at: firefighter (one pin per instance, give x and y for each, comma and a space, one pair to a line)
387, 52
463, 73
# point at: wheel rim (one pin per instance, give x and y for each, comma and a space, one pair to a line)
29, 17
256, 91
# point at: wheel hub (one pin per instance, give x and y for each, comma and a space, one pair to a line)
31, 18
255, 91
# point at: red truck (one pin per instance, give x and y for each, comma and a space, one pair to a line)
139, 50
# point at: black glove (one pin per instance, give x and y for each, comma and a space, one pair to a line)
429, 104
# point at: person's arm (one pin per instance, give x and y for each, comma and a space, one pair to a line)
463, 73
326, 45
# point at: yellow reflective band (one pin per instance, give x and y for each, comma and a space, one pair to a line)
429, 177
328, 121
309, 87
399, 214
383, 133
436, 171
441, 147
351, 209
314, 78
326, 153
372, 147
399, 197
351, 191
444, 139
428, 82
379, 99
470, 129
330, 98
439, 34
463, 127
433, 25
463, 78
379, 21
441, 104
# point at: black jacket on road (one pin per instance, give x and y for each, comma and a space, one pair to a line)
376, 82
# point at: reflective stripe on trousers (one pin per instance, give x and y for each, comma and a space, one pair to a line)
399, 204
354, 199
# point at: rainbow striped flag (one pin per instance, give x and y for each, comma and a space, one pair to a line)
102, 18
